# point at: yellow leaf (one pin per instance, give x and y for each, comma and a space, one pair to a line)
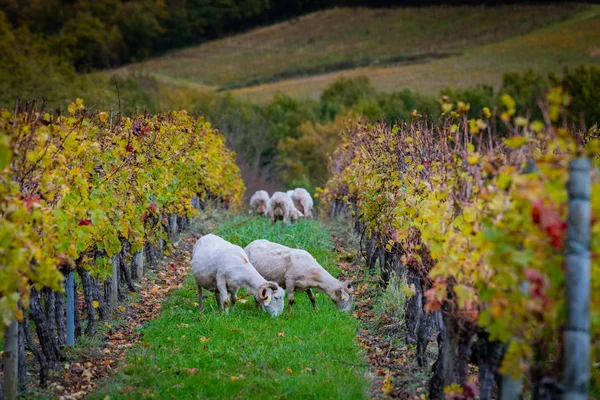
289, 371
521, 121
462, 107
95, 304
486, 112
515, 142
102, 116
387, 383
204, 339
473, 158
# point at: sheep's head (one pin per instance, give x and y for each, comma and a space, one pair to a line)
343, 297
270, 296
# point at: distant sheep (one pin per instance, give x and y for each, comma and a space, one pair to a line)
297, 271
223, 268
282, 207
303, 201
259, 202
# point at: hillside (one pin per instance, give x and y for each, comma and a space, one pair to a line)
552, 48
420, 48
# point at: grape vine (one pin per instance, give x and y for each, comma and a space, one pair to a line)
480, 219
75, 188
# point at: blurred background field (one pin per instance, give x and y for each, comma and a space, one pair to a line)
282, 79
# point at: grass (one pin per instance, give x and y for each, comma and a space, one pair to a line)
551, 48
245, 354
345, 38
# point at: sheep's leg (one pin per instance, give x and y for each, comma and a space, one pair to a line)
311, 297
233, 295
200, 305
222, 294
286, 217
218, 298
289, 285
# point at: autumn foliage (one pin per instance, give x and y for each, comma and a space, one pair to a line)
75, 188
482, 219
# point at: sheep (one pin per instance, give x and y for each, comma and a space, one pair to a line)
289, 193
303, 201
281, 206
259, 202
297, 271
223, 268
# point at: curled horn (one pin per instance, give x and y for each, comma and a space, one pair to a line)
348, 287
272, 285
262, 291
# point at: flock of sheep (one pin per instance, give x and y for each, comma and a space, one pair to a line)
265, 268
286, 206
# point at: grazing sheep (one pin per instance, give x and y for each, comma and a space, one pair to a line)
223, 268
297, 271
259, 202
282, 207
303, 201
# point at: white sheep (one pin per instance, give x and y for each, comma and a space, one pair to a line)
223, 268
282, 207
259, 202
297, 271
303, 201
289, 193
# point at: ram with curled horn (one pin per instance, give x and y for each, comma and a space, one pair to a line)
297, 271
223, 268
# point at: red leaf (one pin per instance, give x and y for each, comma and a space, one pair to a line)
29, 201
533, 276
129, 148
172, 267
471, 391
84, 222
557, 232
536, 210
145, 130
432, 304
152, 208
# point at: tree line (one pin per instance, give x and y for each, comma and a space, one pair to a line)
95, 34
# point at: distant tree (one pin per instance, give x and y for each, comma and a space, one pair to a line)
30, 69
138, 22
86, 37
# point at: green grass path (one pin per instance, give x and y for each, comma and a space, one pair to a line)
245, 354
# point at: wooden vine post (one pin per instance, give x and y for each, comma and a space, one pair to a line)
11, 360
70, 309
577, 259
114, 284
138, 260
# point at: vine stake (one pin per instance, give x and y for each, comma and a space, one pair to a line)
577, 260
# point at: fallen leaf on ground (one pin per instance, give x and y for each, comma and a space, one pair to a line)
387, 383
